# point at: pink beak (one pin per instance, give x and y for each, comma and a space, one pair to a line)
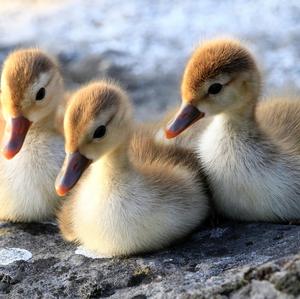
15, 132
186, 116
74, 166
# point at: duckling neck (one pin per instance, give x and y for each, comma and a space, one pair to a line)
241, 118
115, 165
46, 123
43, 133
118, 158
238, 123
237, 130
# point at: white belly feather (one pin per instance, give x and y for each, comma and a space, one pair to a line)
248, 182
130, 216
27, 190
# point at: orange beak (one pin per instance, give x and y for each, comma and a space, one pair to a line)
15, 132
74, 166
186, 116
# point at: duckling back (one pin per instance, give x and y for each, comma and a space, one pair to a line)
279, 119
147, 151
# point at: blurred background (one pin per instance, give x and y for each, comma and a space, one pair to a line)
145, 44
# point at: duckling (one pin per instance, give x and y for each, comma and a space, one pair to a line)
250, 150
31, 88
134, 196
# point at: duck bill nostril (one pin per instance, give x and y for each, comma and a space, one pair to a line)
187, 115
74, 166
15, 132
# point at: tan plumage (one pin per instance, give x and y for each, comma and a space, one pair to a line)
280, 119
136, 195
60, 112
26, 182
250, 150
216, 57
20, 70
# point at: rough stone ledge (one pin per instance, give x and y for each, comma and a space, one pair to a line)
233, 260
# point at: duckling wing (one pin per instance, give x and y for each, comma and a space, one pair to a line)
146, 152
144, 149
280, 119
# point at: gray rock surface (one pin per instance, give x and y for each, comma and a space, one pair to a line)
233, 260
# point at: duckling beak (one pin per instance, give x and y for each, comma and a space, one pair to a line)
15, 132
74, 166
186, 116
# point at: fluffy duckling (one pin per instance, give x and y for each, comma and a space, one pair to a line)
133, 197
31, 88
250, 150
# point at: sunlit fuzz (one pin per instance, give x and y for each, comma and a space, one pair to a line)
250, 149
31, 90
129, 194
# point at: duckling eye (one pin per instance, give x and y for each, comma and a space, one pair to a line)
40, 94
100, 132
215, 88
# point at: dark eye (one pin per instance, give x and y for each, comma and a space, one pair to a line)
40, 94
100, 132
215, 88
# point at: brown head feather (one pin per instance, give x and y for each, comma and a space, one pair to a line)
85, 105
22, 68
221, 56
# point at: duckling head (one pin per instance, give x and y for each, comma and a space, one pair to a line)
31, 86
97, 121
221, 76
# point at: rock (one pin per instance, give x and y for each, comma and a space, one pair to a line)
233, 260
